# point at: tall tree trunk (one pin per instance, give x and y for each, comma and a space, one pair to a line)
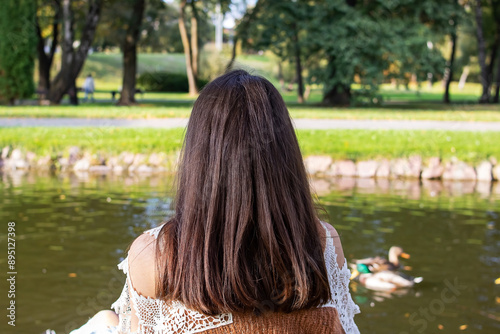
493, 58
72, 60
242, 30
194, 39
45, 60
193, 89
230, 65
485, 96
449, 77
43, 66
463, 78
281, 79
496, 98
298, 65
73, 93
127, 96
339, 95
496, 16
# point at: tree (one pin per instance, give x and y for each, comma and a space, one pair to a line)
160, 29
191, 62
449, 66
481, 44
127, 96
495, 5
445, 22
243, 27
362, 40
191, 41
496, 98
17, 49
48, 18
72, 59
280, 28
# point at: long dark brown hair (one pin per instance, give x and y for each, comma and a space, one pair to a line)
245, 234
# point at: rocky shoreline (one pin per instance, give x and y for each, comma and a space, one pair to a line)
78, 161
413, 167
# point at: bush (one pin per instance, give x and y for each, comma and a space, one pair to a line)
166, 82
17, 49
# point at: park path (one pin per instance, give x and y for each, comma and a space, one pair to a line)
300, 123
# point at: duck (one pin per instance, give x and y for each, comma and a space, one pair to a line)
378, 264
385, 280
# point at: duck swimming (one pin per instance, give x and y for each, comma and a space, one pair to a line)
378, 264
385, 280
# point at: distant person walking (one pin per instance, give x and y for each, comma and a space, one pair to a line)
88, 87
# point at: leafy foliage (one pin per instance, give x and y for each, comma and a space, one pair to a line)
375, 41
17, 49
159, 28
363, 42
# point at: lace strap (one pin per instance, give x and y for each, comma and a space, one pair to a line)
155, 315
154, 231
123, 308
339, 279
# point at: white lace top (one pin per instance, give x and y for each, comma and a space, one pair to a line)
158, 317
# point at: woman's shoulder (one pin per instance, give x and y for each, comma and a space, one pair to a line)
141, 262
334, 235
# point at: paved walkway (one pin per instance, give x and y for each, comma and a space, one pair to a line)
300, 123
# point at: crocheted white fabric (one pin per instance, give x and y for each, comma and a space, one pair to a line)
339, 287
158, 317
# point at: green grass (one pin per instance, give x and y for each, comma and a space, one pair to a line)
368, 144
182, 108
339, 144
107, 68
108, 141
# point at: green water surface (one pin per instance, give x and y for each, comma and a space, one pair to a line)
71, 231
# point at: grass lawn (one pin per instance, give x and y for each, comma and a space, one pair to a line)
340, 144
180, 108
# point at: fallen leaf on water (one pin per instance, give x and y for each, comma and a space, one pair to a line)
72, 275
497, 281
463, 327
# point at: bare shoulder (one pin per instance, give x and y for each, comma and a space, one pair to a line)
337, 243
142, 268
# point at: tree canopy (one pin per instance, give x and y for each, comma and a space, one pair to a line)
348, 47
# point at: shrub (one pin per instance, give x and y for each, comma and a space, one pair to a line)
166, 82
17, 49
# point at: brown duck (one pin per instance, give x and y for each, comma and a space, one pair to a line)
378, 264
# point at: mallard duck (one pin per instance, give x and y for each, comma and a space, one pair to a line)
382, 280
377, 264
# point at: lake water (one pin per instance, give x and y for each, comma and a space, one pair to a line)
73, 230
